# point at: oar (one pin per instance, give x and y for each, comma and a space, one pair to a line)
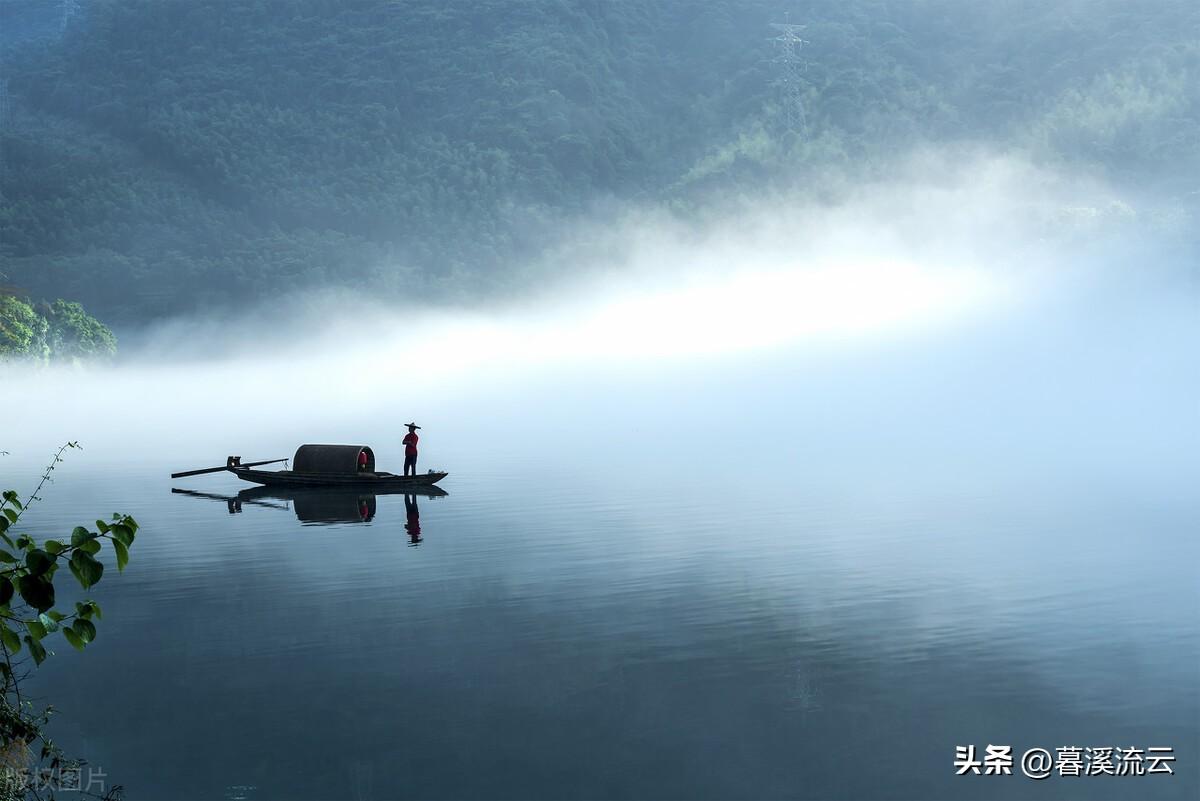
223, 468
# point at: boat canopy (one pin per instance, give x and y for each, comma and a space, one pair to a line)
340, 459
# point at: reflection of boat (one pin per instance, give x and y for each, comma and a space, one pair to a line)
319, 505
332, 504
324, 466
233, 501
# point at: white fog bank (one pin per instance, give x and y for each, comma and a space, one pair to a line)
961, 302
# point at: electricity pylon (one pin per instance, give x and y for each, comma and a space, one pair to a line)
788, 45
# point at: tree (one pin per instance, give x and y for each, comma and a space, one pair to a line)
22, 330
75, 334
61, 330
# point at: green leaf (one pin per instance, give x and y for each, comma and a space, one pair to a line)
6, 591
91, 547
73, 638
80, 535
102, 526
35, 629
11, 514
5, 556
37, 593
38, 561
123, 534
82, 610
53, 547
36, 650
10, 496
86, 569
122, 554
57, 617
4, 524
23, 542
11, 641
48, 622
85, 629
87, 609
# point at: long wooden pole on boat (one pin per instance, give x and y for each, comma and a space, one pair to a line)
223, 468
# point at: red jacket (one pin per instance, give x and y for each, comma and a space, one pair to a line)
410, 443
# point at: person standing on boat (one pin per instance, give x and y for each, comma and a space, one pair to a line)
410, 448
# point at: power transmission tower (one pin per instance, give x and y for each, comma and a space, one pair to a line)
788, 44
5, 121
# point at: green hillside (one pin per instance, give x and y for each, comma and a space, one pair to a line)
168, 157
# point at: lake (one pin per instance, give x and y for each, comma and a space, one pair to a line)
575, 633
810, 573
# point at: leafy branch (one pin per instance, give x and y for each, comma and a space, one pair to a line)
34, 496
29, 614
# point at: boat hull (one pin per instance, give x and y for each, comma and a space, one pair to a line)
365, 481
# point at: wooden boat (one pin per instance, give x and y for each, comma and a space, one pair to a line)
365, 480
267, 494
324, 466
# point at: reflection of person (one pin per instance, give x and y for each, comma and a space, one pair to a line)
413, 526
364, 511
410, 448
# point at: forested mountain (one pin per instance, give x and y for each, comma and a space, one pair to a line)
161, 157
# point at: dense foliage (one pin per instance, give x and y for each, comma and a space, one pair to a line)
51, 332
162, 157
23, 332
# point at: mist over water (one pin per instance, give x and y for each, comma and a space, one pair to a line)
817, 391
909, 467
1036, 314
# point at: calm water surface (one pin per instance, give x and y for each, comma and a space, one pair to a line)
565, 632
